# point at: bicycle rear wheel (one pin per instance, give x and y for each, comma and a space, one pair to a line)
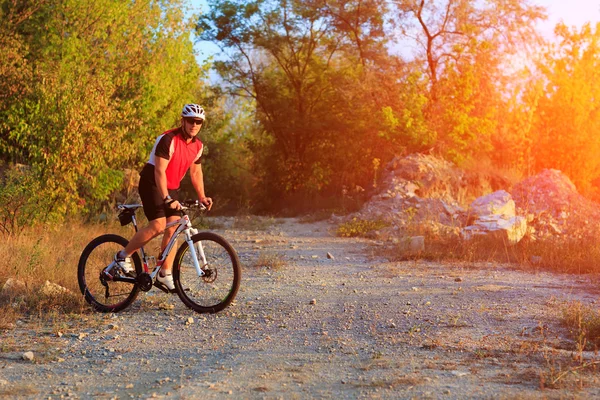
103, 294
216, 289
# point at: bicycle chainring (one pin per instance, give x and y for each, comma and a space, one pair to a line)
144, 281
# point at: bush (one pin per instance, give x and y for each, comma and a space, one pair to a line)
360, 227
21, 199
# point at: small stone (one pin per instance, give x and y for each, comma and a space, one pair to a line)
458, 279
313, 301
28, 356
330, 256
189, 321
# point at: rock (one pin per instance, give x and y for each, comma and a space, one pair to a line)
497, 227
416, 244
330, 256
497, 203
13, 287
28, 356
313, 301
189, 321
52, 289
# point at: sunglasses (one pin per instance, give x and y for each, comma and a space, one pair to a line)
193, 121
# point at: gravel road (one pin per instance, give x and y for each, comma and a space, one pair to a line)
351, 325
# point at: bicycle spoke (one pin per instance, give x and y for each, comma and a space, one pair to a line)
214, 290
102, 292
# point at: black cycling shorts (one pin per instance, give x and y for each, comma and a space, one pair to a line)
153, 202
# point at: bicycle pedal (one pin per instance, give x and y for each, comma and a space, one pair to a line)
164, 288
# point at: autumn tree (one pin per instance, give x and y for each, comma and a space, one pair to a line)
565, 112
464, 46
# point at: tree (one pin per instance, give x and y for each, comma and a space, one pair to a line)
566, 117
464, 46
108, 78
309, 67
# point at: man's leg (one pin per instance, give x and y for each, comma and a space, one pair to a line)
144, 235
168, 264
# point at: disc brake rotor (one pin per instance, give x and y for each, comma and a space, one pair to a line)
210, 275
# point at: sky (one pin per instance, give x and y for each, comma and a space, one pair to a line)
571, 12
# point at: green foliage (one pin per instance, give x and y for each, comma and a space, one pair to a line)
24, 203
306, 69
108, 78
360, 227
464, 46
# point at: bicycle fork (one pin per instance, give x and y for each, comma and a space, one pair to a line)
196, 251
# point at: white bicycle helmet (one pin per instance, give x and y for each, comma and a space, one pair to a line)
193, 111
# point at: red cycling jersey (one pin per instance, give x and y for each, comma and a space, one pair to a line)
171, 145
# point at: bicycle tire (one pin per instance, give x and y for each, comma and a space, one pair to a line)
95, 257
216, 290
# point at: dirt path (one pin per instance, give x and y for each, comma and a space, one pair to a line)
351, 326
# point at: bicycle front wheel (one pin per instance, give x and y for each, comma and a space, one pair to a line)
104, 294
216, 289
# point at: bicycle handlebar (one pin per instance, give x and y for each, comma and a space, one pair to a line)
187, 204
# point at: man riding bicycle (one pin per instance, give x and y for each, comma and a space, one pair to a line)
174, 152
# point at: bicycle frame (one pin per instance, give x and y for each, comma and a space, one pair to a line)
184, 225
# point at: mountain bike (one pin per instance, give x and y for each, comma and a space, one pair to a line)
206, 269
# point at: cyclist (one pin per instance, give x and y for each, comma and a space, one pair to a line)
174, 152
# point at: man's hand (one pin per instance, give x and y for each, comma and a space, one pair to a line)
173, 204
207, 201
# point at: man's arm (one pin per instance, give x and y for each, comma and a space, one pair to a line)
160, 175
198, 183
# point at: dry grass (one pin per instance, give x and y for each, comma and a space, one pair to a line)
583, 323
577, 253
271, 260
252, 223
37, 256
